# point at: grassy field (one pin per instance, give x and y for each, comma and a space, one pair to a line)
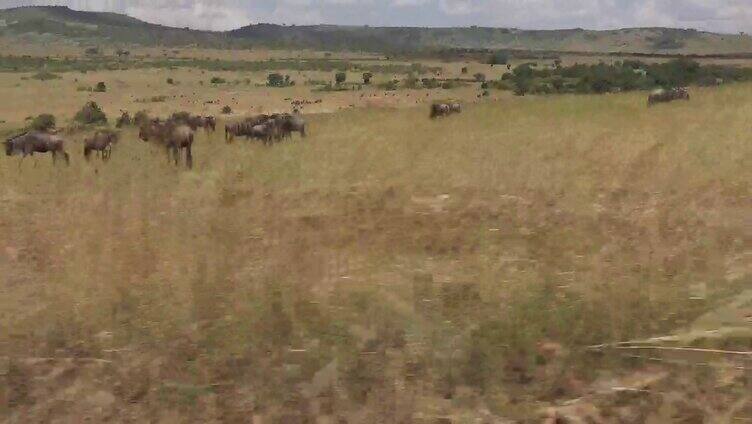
385, 269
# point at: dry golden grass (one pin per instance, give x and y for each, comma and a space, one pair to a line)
388, 268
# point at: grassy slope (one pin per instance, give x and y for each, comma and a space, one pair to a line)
107, 27
427, 258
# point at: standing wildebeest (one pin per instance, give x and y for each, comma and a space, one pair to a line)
100, 142
665, 96
173, 136
32, 142
287, 124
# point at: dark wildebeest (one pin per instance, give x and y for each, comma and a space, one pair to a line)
209, 123
265, 132
173, 136
440, 109
287, 124
101, 142
232, 130
32, 142
665, 96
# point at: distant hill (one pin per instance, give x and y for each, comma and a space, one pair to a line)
99, 27
88, 27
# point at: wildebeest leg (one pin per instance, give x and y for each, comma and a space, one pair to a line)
188, 157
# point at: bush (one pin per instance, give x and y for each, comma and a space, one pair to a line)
367, 78
43, 122
90, 114
278, 80
499, 58
45, 76
101, 87
340, 77
217, 80
464, 70
479, 77
226, 110
170, 81
141, 117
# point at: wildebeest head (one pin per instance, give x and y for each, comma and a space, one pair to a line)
143, 133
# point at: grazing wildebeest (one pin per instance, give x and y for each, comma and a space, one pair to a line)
665, 96
173, 136
32, 142
100, 142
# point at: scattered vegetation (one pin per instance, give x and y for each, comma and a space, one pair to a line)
625, 75
101, 87
90, 114
340, 77
278, 80
45, 76
43, 122
226, 110
218, 80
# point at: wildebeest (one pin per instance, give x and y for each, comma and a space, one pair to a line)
445, 109
173, 136
287, 124
665, 96
31, 142
209, 123
265, 132
100, 142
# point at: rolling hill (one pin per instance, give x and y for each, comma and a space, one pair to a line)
95, 27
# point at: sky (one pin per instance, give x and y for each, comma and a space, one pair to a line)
729, 16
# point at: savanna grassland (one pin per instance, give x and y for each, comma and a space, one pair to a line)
387, 268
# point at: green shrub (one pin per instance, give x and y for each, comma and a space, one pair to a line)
100, 88
367, 76
218, 80
226, 110
499, 58
170, 81
43, 122
45, 76
340, 77
90, 114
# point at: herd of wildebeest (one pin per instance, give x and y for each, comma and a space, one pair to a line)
176, 133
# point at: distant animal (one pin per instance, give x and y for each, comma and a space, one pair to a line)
665, 96
175, 138
288, 124
101, 142
265, 132
28, 143
232, 130
444, 109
